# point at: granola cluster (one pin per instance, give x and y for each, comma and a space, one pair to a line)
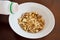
31, 22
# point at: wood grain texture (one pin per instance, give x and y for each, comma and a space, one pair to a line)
6, 32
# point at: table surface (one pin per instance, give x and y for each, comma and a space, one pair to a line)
6, 32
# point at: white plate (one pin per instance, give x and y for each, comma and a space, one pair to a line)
29, 7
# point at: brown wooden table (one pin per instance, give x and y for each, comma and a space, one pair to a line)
6, 32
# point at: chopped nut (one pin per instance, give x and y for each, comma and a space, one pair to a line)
24, 20
37, 30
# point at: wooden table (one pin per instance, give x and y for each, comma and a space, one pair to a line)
6, 32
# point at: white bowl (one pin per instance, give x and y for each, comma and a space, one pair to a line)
29, 7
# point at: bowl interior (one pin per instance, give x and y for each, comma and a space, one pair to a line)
32, 7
